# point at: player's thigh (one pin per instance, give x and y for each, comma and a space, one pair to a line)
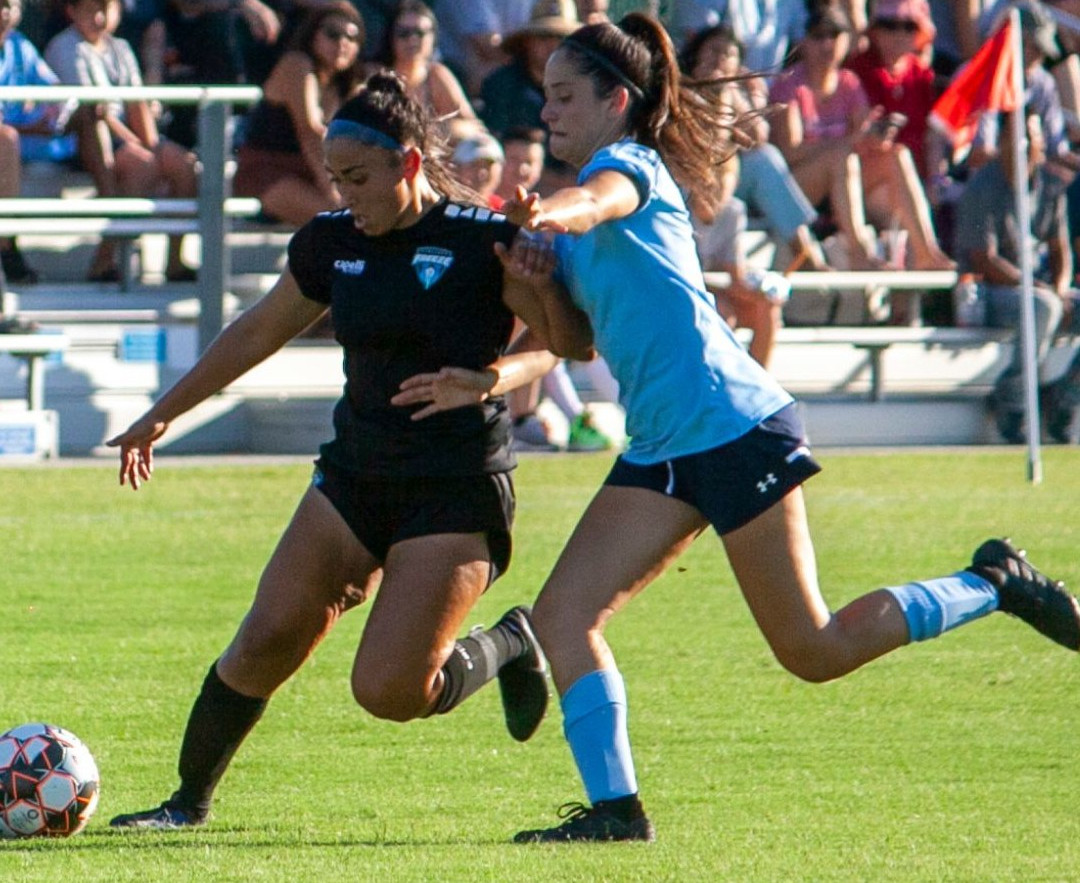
317, 572
773, 561
624, 540
429, 585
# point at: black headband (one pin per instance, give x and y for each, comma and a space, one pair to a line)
607, 65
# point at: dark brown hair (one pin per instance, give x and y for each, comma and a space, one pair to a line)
384, 104
686, 121
344, 82
418, 8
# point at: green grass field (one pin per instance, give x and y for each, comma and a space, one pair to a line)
950, 760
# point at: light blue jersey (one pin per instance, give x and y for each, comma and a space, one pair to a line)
685, 382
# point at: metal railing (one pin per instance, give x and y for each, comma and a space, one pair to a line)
215, 109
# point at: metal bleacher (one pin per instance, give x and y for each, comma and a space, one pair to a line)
122, 345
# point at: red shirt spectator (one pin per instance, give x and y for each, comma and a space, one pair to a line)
893, 73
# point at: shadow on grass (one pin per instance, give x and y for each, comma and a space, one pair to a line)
224, 838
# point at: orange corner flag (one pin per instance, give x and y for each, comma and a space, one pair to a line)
984, 83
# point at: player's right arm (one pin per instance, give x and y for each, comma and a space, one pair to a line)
256, 334
542, 302
606, 195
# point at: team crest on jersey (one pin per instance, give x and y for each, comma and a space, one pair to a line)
430, 264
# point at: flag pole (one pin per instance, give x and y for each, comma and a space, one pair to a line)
1023, 219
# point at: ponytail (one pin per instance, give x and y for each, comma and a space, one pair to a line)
687, 122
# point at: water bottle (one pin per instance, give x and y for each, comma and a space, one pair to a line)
969, 307
773, 286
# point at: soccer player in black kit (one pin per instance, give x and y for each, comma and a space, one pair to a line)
413, 512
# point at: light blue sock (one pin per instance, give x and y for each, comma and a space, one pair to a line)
594, 722
934, 606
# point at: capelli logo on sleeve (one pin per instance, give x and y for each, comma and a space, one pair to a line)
350, 268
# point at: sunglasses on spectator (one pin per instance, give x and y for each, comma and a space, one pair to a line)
352, 34
405, 33
823, 35
897, 24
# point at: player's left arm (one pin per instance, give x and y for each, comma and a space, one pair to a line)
451, 388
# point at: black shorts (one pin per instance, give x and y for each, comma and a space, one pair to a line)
732, 484
382, 512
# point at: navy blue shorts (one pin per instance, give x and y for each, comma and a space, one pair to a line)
733, 484
382, 512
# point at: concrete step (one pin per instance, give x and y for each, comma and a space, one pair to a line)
114, 369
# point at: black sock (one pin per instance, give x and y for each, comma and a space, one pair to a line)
626, 809
218, 723
475, 660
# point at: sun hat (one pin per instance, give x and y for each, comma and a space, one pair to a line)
548, 18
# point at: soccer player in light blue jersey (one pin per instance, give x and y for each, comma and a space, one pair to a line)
714, 439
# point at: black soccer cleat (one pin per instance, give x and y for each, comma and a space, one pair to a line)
1027, 594
590, 824
523, 680
167, 817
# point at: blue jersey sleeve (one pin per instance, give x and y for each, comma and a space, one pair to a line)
638, 163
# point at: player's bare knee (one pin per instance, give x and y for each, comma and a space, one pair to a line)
556, 623
389, 698
809, 661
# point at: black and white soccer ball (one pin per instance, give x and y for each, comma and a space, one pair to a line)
48, 782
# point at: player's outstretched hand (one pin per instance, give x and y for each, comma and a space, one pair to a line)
136, 446
526, 211
444, 390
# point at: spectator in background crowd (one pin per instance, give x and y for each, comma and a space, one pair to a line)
471, 35
281, 159
142, 24
523, 147
988, 243
119, 143
513, 95
956, 36
746, 301
28, 132
1039, 41
767, 30
896, 78
478, 162
409, 51
840, 150
592, 11
1042, 97
1066, 70
217, 42
764, 181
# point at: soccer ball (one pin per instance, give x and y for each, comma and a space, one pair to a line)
48, 782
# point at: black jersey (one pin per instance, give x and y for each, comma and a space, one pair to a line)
406, 302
